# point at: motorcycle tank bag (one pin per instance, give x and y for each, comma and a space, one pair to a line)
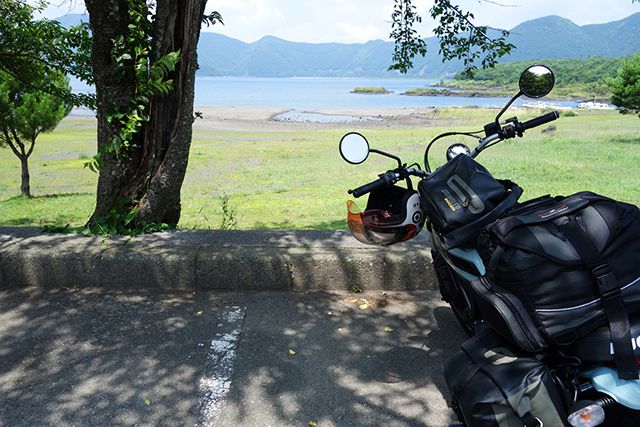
462, 196
491, 385
558, 268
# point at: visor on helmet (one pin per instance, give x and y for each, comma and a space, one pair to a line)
380, 226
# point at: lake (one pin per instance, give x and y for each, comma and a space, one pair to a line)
316, 93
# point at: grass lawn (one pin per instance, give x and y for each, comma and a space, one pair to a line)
297, 179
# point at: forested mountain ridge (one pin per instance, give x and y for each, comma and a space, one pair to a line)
575, 78
549, 37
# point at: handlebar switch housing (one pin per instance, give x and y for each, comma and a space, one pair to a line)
510, 131
491, 128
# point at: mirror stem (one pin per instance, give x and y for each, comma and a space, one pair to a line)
517, 95
391, 156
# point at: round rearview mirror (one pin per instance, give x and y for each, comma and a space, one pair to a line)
537, 81
354, 148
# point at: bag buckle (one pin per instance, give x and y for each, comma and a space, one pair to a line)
607, 282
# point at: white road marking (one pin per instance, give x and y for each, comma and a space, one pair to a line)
216, 382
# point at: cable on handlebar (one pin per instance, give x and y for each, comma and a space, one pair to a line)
442, 135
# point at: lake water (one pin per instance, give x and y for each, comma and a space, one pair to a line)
314, 93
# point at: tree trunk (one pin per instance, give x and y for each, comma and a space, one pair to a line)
152, 172
25, 188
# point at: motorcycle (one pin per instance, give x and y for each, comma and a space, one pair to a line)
598, 395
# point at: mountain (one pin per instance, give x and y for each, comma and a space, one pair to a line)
554, 37
274, 57
72, 19
551, 37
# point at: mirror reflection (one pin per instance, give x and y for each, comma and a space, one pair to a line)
536, 81
354, 148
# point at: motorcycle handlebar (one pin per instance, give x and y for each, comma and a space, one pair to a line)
388, 178
367, 188
539, 120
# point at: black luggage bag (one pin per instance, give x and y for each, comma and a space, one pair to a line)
558, 268
492, 386
462, 196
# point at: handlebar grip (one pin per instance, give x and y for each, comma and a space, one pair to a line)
539, 120
367, 188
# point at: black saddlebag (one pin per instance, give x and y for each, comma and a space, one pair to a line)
461, 197
597, 346
559, 269
491, 385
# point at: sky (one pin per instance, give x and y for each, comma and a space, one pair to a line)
357, 21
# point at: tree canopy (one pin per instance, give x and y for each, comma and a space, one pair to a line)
626, 87
26, 112
30, 48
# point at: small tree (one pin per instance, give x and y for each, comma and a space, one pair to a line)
626, 87
25, 113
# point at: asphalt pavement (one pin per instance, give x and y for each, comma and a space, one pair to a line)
70, 356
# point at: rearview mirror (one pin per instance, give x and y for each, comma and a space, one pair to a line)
354, 148
536, 81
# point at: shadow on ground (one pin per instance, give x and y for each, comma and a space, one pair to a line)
76, 357
72, 357
353, 366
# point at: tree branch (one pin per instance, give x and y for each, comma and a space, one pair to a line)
454, 23
7, 139
33, 145
454, 44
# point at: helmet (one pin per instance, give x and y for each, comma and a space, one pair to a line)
393, 215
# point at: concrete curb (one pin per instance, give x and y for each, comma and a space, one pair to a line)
211, 259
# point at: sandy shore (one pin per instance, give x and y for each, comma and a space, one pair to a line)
272, 119
266, 119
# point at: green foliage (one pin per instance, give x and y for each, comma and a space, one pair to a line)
459, 37
567, 71
586, 78
30, 48
212, 18
25, 112
626, 86
408, 43
229, 216
370, 90
120, 221
152, 79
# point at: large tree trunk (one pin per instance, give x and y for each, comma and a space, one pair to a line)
151, 174
25, 188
